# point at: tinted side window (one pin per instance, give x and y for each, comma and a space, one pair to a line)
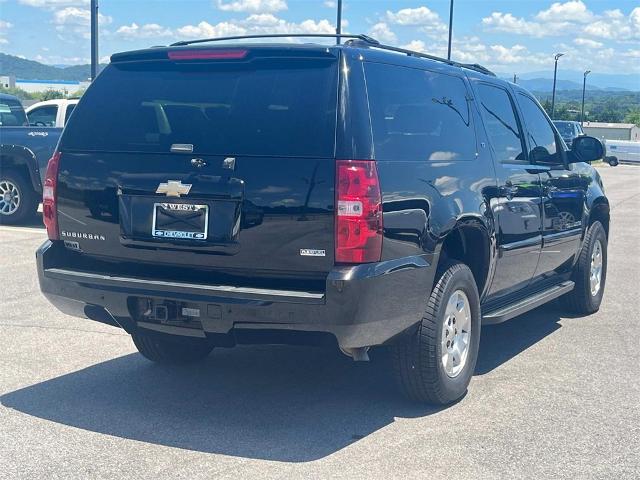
43, 116
67, 114
12, 114
500, 122
541, 139
418, 115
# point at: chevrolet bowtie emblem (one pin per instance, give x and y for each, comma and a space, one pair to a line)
174, 188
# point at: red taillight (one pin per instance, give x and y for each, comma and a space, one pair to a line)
49, 197
207, 54
358, 212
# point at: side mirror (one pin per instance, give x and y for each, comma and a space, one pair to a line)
586, 149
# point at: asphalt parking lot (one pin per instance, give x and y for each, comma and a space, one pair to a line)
554, 396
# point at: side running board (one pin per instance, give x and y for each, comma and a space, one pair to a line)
502, 314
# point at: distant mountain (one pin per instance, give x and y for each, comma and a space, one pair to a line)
546, 84
32, 70
605, 81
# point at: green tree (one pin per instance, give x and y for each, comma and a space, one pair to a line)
633, 117
18, 92
52, 95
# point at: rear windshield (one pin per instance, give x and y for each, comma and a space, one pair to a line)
283, 107
11, 113
565, 128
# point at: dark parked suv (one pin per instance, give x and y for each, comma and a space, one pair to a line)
357, 194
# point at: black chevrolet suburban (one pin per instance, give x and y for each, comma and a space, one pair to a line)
207, 195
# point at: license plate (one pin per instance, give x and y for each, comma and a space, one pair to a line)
180, 220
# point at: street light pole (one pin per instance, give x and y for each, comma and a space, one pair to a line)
584, 87
94, 39
339, 21
450, 29
553, 94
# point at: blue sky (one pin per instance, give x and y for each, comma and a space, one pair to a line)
508, 36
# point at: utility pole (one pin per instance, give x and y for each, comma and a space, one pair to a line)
584, 87
95, 59
515, 78
339, 22
553, 94
450, 29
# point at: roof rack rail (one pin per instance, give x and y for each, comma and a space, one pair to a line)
364, 38
358, 39
478, 68
413, 53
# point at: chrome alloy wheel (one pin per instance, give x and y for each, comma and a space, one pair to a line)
456, 333
595, 274
9, 197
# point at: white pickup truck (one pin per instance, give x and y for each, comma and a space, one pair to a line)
51, 113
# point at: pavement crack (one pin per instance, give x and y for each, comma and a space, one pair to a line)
624, 201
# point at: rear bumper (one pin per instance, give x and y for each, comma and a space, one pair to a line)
361, 305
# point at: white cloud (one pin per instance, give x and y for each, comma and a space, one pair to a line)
72, 23
413, 16
571, 11
252, 6
508, 55
149, 30
381, 31
426, 20
569, 18
254, 24
50, 4
615, 26
417, 45
506, 22
206, 30
78, 16
4, 29
587, 42
61, 60
262, 20
330, 4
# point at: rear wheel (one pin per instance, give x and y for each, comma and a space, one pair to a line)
18, 201
435, 364
169, 351
590, 272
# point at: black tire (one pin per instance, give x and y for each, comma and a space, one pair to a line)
28, 199
169, 351
580, 300
417, 357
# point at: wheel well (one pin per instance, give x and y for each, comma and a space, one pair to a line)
600, 212
469, 244
15, 163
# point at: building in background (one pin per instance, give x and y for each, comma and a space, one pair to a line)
7, 81
612, 131
36, 86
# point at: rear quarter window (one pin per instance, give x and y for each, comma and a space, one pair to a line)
267, 107
12, 114
418, 115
